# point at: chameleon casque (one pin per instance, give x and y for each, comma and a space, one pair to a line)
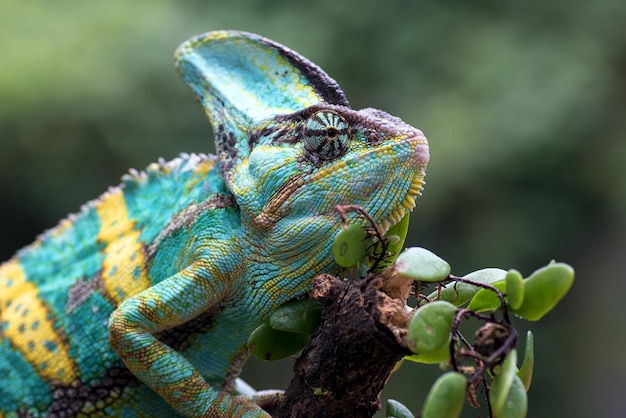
141, 303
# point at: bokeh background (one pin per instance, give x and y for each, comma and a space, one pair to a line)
523, 103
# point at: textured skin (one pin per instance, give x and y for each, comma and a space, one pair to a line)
141, 304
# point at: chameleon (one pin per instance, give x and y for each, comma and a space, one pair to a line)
141, 303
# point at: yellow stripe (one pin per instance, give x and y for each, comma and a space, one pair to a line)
123, 269
30, 328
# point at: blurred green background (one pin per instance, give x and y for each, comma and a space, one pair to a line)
523, 103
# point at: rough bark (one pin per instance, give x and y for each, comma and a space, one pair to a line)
349, 359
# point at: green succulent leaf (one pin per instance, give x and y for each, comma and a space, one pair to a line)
525, 372
487, 299
300, 316
268, 344
350, 245
544, 289
515, 404
420, 264
399, 230
395, 236
514, 289
459, 293
395, 409
502, 382
446, 397
430, 327
432, 357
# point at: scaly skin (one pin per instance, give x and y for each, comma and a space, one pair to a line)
141, 304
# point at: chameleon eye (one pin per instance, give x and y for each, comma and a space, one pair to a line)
326, 135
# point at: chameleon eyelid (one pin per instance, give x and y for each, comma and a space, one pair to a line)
326, 135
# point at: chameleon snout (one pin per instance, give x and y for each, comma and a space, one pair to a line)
421, 154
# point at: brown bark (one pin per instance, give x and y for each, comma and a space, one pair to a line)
350, 357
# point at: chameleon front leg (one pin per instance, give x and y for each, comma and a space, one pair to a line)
176, 300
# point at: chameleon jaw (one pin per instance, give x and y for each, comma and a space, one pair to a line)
406, 205
420, 159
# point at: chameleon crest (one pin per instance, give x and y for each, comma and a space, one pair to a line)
141, 303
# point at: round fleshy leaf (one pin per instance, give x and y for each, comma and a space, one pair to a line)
514, 289
503, 381
525, 371
446, 397
399, 230
516, 402
486, 299
432, 357
268, 344
397, 410
459, 293
350, 246
420, 264
544, 289
301, 316
430, 327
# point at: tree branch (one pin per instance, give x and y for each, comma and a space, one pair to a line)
350, 357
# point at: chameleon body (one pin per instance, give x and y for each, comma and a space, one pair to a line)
141, 303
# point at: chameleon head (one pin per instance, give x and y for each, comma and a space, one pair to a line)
307, 163
290, 147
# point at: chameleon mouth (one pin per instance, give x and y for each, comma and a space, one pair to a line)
420, 159
406, 205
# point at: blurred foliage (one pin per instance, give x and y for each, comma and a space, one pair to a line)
523, 103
